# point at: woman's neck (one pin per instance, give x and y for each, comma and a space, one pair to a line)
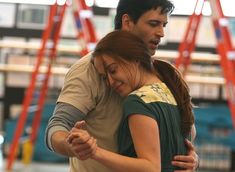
149, 78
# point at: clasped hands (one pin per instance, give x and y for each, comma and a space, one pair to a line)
82, 144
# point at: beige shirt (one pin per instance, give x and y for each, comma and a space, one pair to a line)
85, 90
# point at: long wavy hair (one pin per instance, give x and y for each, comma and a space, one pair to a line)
123, 45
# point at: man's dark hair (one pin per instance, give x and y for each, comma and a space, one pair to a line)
136, 8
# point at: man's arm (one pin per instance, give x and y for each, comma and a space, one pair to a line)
59, 125
59, 144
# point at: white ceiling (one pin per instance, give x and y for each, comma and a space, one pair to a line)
183, 7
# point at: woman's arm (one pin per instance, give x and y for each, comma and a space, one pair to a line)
145, 135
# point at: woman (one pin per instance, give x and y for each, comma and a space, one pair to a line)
157, 111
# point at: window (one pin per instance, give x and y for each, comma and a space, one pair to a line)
32, 16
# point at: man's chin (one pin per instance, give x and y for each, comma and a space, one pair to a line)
152, 52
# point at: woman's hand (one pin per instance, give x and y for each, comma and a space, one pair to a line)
82, 144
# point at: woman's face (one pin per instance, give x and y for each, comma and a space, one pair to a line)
123, 77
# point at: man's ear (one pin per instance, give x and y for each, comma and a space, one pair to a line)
127, 23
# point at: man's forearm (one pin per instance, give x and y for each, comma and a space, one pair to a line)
60, 144
63, 119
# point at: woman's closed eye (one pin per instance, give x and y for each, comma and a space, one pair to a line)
103, 77
112, 69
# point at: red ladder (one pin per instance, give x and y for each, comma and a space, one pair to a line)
52, 30
224, 48
86, 33
187, 46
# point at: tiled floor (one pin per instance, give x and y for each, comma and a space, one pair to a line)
46, 167
18, 166
40, 167
43, 167
36, 167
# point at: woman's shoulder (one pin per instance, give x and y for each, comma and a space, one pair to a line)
156, 92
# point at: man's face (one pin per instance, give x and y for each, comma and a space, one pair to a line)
150, 28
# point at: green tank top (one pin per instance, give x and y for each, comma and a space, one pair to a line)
157, 102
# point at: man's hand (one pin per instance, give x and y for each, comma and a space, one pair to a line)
188, 162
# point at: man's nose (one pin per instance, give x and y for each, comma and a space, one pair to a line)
160, 31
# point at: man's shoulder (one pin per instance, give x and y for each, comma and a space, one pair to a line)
84, 69
83, 64
84, 61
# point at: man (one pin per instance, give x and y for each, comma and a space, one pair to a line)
85, 95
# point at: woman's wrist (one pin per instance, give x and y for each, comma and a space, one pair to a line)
96, 153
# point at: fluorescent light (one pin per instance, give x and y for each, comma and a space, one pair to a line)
206, 9
228, 8
186, 7
183, 7
199, 7
69, 2
1, 139
107, 3
41, 2
61, 2
86, 13
89, 3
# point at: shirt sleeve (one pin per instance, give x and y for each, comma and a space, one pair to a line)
81, 86
63, 119
133, 104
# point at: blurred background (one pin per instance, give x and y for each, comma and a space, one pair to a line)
206, 58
